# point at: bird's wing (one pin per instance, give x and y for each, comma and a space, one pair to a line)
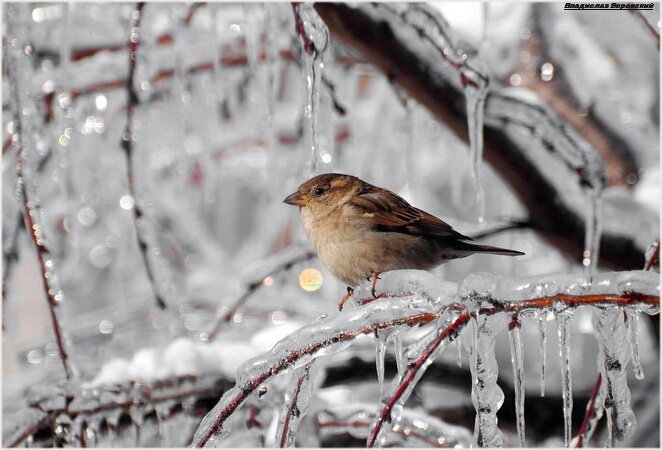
390, 212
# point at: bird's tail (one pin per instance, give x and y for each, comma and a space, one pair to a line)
489, 249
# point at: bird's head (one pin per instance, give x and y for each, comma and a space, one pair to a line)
325, 192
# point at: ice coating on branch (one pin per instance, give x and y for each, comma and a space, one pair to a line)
633, 335
324, 337
612, 363
523, 110
563, 323
517, 360
415, 429
461, 57
486, 395
404, 383
297, 400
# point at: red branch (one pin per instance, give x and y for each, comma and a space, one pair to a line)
590, 413
152, 397
308, 44
647, 25
30, 210
292, 409
127, 145
654, 259
412, 371
250, 290
569, 301
295, 355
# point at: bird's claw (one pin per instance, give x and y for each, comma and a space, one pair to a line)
345, 298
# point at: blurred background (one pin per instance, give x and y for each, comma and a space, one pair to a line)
227, 108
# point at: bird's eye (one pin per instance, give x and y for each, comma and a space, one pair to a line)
318, 191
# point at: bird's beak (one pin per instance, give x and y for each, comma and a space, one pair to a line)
295, 199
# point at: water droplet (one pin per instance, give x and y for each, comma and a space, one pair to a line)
86, 216
547, 71
101, 102
105, 327
127, 202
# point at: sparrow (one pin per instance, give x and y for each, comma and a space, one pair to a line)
360, 231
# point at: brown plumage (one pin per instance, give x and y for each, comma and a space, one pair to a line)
360, 230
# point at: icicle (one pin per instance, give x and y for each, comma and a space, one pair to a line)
459, 351
411, 149
563, 321
486, 395
315, 43
400, 359
379, 359
271, 51
612, 363
475, 97
633, 328
516, 358
610, 429
542, 328
593, 231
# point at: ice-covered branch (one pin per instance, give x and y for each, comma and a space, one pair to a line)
128, 141
331, 334
653, 256
103, 401
293, 414
647, 25
555, 88
629, 289
269, 267
389, 42
414, 371
26, 186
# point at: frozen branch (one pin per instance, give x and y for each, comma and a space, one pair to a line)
413, 369
618, 155
234, 398
128, 146
293, 412
647, 25
30, 204
283, 262
653, 256
376, 32
385, 315
87, 402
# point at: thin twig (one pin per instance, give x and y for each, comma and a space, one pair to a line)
654, 259
168, 386
650, 28
292, 408
250, 289
588, 415
412, 370
570, 301
297, 354
30, 211
514, 225
127, 145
